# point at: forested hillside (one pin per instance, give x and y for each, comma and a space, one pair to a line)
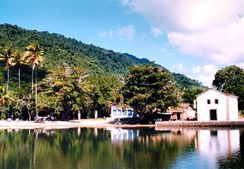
60, 51
43, 73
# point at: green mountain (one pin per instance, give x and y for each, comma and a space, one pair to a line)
60, 50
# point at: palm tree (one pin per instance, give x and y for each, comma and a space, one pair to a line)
5, 55
17, 60
34, 56
5, 99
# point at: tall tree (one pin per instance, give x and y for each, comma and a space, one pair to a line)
34, 56
190, 94
149, 89
231, 80
5, 99
68, 89
5, 55
17, 60
106, 92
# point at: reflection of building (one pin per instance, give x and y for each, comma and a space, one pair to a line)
215, 105
213, 144
182, 112
118, 134
118, 112
180, 136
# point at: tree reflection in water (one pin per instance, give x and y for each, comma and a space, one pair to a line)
85, 148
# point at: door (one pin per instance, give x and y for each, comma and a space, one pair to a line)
213, 114
178, 116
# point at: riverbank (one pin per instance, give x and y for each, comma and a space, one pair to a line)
102, 123
198, 124
85, 123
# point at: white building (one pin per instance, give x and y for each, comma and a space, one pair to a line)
118, 112
216, 105
182, 111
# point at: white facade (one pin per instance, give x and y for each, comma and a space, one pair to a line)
215, 105
118, 112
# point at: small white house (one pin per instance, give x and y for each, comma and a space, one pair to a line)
216, 105
182, 111
118, 112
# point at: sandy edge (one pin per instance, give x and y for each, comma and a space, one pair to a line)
103, 123
64, 124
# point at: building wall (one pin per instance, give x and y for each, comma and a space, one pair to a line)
233, 106
222, 108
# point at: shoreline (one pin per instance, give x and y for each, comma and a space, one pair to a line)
103, 123
200, 124
48, 125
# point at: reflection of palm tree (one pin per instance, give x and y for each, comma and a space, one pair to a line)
34, 56
5, 55
17, 60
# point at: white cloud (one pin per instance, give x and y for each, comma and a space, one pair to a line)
196, 69
210, 29
180, 67
108, 34
124, 33
205, 73
125, 2
156, 31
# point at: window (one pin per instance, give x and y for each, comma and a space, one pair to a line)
214, 133
216, 101
208, 101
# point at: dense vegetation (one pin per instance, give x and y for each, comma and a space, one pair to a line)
150, 90
43, 73
231, 80
59, 50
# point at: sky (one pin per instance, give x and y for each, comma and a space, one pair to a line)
192, 37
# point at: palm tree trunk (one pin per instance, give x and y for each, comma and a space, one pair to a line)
36, 91
7, 78
19, 77
32, 81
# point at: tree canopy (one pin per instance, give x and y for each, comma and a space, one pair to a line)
231, 80
149, 89
59, 49
79, 78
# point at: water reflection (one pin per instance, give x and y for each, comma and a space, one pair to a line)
115, 148
119, 135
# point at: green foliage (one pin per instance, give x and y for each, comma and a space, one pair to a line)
231, 80
6, 102
189, 95
76, 77
106, 91
66, 90
184, 82
149, 89
59, 50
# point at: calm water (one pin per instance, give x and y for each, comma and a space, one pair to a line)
112, 148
